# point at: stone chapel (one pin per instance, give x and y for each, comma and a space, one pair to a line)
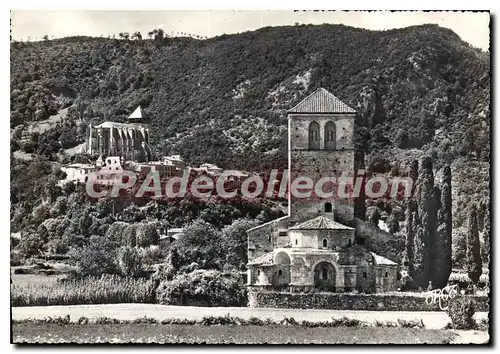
312, 247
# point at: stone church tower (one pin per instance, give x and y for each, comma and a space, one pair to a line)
313, 246
321, 146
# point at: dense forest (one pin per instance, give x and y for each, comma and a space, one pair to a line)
418, 90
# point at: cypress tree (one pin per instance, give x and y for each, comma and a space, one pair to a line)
359, 201
474, 264
427, 213
442, 259
486, 236
418, 267
408, 258
414, 176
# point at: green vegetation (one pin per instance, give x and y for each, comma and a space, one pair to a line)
106, 289
230, 320
443, 243
185, 334
203, 288
223, 99
461, 311
420, 91
474, 264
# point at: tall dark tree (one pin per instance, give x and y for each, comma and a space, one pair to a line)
414, 176
427, 213
442, 259
408, 259
486, 237
474, 264
359, 165
419, 264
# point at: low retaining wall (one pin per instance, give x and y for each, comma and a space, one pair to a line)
338, 301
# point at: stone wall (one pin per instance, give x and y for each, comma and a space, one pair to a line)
262, 238
345, 301
376, 240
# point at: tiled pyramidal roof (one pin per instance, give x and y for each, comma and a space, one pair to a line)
320, 223
321, 101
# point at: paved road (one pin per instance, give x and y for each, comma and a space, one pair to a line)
161, 312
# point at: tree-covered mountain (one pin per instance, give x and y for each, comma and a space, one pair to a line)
224, 99
418, 90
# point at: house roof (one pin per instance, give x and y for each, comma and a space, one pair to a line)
109, 124
355, 254
137, 114
176, 229
379, 260
321, 101
269, 223
236, 173
80, 165
265, 259
320, 223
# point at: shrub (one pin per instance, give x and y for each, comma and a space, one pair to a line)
97, 257
410, 323
347, 322
129, 261
482, 324
290, 321
146, 235
151, 255
15, 259
203, 288
31, 244
105, 320
145, 320
255, 321
217, 320
390, 324
461, 311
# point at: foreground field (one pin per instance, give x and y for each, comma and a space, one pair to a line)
273, 334
431, 320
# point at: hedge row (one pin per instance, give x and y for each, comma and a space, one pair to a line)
345, 301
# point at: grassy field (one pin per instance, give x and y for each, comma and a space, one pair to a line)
35, 279
41, 290
272, 334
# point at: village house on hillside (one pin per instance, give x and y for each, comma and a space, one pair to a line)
310, 248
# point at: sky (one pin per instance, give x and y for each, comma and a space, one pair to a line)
473, 27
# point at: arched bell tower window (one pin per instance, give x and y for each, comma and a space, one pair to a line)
325, 243
314, 136
330, 136
328, 207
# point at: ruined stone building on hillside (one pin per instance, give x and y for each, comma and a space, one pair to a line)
128, 140
312, 247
